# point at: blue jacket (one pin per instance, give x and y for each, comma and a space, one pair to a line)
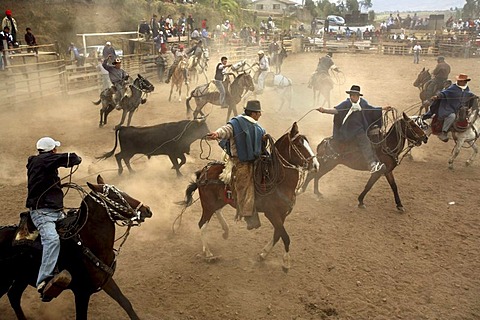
248, 138
450, 100
357, 123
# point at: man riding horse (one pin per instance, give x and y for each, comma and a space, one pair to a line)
448, 102
179, 56
352, 119
118, 77
440, 74
196, 52
323, 68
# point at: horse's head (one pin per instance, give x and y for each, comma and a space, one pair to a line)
144, 85
120, 207
294, 148
414, 133
422, 78
246, 81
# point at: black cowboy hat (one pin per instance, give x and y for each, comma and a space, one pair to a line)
253, 105
355, 90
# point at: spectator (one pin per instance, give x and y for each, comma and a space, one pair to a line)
109, 51
190, 22
264, 67
104, 75
30, 40
301, 28
11, 23
417, 49
144, 29
204, 23
195, 34
5, 35
154, 25
75, 55
205, 37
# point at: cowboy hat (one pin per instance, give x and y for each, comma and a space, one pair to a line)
354, 90
462, 77
253, 105
260, 52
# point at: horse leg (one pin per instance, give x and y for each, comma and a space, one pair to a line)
81, 305
279, 232
15, 295
369, 185
474, 154
459, 141
171, 90
101, 118
393, 185
223, 223
124, 114
130, 115
179, 89
112, 289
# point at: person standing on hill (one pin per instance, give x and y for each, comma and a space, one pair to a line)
11, 23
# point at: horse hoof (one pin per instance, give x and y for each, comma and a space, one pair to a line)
401, 208
261, 257
225, 235
467, 164
285, 269
361, 206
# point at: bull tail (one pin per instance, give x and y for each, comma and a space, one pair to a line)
109, 154
189, 108
97, 102
192, 187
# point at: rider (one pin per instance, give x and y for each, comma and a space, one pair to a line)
118, 77
448, 102
45, 202
350, 125
196, 51
264, 67
323, 67
242, 137
219, 77
440, 73
179, 56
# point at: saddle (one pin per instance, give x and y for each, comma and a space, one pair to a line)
27, 234
204, 179
461, 123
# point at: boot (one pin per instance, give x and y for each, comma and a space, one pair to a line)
253, 221
443, 136
55, 286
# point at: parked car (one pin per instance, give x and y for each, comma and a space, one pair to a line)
97, 51
335, 20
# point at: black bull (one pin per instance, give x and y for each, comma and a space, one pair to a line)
172, 139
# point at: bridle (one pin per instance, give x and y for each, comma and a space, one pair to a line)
119, 211
299, 154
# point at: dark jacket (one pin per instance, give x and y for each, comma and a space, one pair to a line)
43, 182
358, 121
450, 101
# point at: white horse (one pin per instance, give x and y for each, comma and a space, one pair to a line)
467, 139
199, 66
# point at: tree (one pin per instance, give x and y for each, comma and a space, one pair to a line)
352, 5
367, 4
471, 9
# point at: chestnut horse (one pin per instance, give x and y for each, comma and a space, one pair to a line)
290, 154
389, 151
88, 254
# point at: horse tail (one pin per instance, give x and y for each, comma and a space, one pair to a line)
192, 187
109, 154
97, 102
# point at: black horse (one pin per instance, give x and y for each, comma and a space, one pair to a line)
428, 87
129, 104
88, 253
389, 152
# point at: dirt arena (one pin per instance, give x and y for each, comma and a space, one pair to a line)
348, 263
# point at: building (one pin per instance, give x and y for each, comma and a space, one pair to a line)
278, 7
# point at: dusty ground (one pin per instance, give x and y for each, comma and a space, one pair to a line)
348, 263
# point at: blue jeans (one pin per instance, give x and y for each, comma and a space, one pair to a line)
44, 219
221, 89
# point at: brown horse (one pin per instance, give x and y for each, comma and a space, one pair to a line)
203, 95
428, 88
322, 85
179, 77
276, 198
389, 151
140, 87
88, 253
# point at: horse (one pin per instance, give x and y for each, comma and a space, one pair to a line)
280, 83
468, 137
428, 88
322, 85
277, 59
87, 250
199, 66
179, 76
276, 198
129, 104
389, 151
233, 94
